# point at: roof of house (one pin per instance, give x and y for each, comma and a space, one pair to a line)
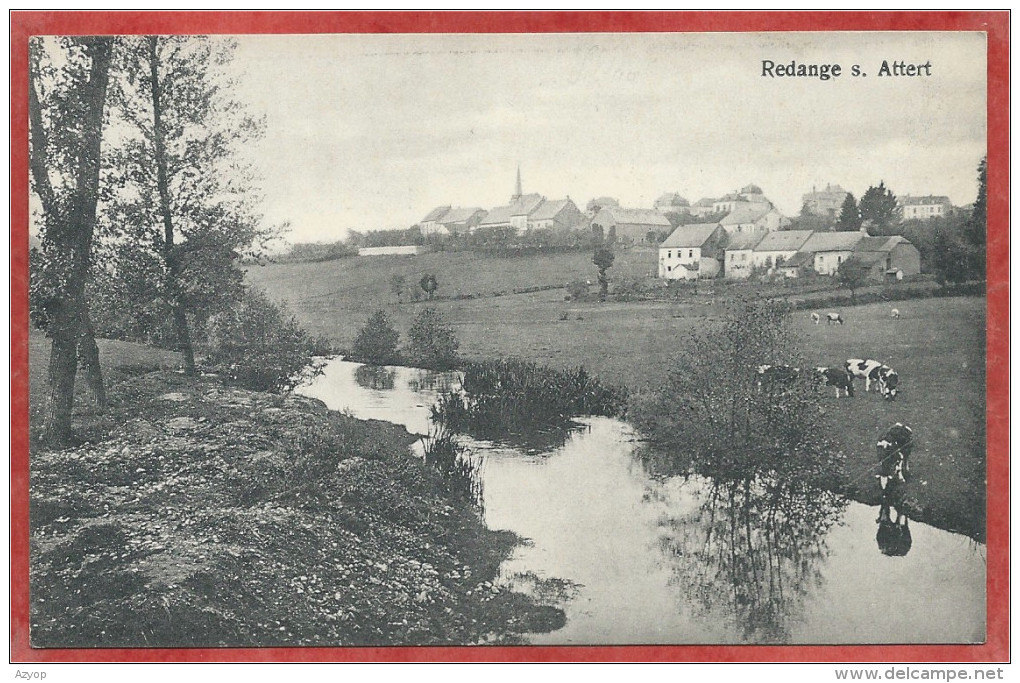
525, 204
751, 189
745, 213
671, 199
927, 200
783, 240
461, 214
830, 191
550, 209
798, 260
693, 235
705, 201
880, 244
436, 213
636, 216
832, 241
731, 197
744, 240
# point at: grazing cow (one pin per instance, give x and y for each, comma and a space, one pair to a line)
895, 313
837, 377
888, 382
771, 376
865, 369
893, 454
833, 318
815, 318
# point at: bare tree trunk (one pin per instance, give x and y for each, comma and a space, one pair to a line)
88, 358
69, 233
173, 287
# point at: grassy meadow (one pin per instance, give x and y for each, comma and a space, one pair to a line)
937, 346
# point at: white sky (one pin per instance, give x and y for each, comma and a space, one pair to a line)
373, 131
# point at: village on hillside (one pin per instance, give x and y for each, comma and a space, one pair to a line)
735, 237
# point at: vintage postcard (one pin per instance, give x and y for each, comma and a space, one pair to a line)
623, 335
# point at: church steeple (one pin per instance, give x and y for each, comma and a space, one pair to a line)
517, 195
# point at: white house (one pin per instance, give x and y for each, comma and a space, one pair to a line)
754, 218
432, 224
692, 251
739, 254
830, 249
924, 207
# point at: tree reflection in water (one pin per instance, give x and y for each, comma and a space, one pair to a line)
375, 377
751, 551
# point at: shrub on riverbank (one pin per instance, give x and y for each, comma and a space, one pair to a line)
259, 345
717, 415
433, 345
376, 343
512, 395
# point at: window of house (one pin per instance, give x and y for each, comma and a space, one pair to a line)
669, 254
690, 253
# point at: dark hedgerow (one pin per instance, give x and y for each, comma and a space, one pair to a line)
512, 395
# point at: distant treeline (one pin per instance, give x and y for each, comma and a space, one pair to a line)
491, 241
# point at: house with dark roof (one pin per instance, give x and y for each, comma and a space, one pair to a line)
692, 252
831, 249
777, 246
924, 208
558, 214
739, 254
798, 264
892, 257
615, 223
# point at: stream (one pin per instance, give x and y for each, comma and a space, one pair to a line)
634, 558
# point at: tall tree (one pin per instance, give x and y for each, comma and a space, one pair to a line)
603, 259
977, 225
849, 215
879, 206
184, 191
66, 99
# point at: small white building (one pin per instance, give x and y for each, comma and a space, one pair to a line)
409, 250
692, 252
830, 249
740, 254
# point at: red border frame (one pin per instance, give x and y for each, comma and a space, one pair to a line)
996, 24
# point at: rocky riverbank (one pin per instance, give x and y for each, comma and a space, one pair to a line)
199, 514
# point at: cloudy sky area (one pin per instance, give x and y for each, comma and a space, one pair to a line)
373, 131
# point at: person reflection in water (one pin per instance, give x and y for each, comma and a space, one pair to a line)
893, 537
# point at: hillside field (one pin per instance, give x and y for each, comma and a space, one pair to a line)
937, 346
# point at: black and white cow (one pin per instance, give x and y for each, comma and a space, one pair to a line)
815, 318
773, 376
887, 379
865, 369
833, 319
888, 382
893, 454
837, 377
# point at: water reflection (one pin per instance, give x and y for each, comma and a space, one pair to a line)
751, 553
893, 536
376, 377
